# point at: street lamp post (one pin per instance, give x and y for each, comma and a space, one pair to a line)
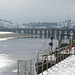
68, 21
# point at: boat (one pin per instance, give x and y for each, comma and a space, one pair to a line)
48, 60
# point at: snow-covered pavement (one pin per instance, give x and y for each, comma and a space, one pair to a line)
65, 67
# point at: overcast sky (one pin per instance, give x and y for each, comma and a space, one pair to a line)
22, 11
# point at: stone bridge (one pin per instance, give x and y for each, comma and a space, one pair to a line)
42, 32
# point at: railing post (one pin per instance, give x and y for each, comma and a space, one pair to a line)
31, 67
25, 67
60, 55
54, 57
18, 68
47, 63
74, 49
37, 65
67, 51
51, 58
42, 64
63, 54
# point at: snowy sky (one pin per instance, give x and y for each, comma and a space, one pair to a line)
22, 11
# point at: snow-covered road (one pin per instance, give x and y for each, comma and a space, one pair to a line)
65, 67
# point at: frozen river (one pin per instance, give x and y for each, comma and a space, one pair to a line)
12, 50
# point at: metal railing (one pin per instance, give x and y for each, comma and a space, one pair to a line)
39, 64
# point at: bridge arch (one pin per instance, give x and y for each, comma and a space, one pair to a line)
38, 32
22, 31
33, 31
16, 32
43, 32
71, 32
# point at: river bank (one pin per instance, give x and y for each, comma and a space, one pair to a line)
11, 34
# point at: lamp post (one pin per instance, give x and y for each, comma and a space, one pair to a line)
68, 21
51, 43
52, 36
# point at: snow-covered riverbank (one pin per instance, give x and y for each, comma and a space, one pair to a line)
9, 35
2, 38
6, 32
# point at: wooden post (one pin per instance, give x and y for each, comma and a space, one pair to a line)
25, 67
51, 58
63, 54
55, 57
37, 65
31, 67
18, 68
47, 63
42, 64
60, 56
74, 50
